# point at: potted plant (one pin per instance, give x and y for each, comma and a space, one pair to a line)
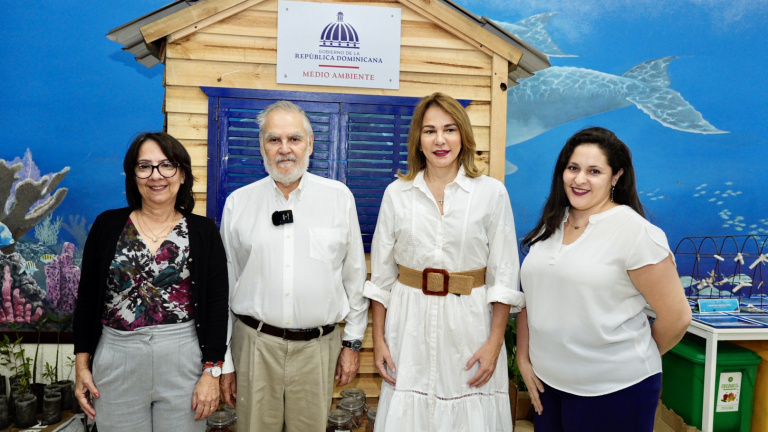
13, 356
52, 399
522, 408
25, 401
70, 364
66, 386
5, 414
6, 360
38, 388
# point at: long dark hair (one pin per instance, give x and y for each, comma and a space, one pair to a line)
619, 157
175, 152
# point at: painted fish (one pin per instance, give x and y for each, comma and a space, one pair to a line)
558, 95
6, 239
47, 258
532, 31
29, 267
687, 281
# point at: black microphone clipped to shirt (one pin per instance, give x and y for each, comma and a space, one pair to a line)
282, 217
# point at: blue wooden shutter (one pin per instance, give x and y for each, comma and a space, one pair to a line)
359, 140
377, 147
235, 159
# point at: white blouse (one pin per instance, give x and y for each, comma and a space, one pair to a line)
588, 334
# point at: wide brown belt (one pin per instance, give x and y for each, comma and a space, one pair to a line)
440, 282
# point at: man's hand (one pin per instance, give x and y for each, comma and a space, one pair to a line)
228, 386
347, 366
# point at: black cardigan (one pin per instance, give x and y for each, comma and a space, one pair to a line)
208, 271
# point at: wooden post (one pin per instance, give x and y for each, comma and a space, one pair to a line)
498, 133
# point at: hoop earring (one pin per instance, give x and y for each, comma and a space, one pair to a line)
612, 188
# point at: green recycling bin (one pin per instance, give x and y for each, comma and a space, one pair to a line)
683, 383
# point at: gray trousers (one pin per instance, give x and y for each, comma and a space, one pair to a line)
146, 379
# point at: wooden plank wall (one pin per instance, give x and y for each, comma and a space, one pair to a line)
241, 52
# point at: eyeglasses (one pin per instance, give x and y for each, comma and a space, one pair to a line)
145, 170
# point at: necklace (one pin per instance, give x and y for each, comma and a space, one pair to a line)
571, 225
440, 200
144, 227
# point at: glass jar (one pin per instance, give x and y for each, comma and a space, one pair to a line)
355, 393
371, 419
339, 421
220, 421
355, 407
232, 411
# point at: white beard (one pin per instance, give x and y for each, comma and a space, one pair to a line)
292, 177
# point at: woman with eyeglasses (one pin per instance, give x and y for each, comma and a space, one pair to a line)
150, 323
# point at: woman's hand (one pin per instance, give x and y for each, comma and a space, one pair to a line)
487, 355
84, 384
381, 356
205, 400
532, 382
383, 359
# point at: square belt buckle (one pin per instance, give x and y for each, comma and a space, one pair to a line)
424, 282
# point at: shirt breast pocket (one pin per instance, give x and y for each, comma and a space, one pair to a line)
326, 244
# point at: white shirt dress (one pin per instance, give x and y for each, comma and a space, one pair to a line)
432, 338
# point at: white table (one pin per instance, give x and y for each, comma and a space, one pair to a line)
712, 335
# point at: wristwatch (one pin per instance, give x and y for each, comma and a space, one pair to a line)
354, 345
214, 370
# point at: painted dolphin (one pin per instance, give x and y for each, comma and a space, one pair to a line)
6, 239
558, 95
532, 31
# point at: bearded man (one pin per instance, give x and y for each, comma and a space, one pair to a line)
296, 268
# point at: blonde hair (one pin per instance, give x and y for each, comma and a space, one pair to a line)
416, 159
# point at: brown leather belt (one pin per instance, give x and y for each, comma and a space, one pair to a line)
439, 282
287, 334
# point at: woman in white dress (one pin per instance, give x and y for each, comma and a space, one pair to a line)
445, 272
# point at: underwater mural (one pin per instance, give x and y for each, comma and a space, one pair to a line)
37, 269
698, 135
679, 81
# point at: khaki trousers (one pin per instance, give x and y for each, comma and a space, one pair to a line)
283, 385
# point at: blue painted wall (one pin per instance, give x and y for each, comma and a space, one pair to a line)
693, 184
75, 99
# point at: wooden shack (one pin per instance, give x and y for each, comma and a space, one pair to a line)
220, 60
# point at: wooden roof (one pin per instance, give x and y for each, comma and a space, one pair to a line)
182, 18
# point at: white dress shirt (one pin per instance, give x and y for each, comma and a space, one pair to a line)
588, 334
304, 274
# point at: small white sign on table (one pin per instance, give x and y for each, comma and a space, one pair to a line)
336, 44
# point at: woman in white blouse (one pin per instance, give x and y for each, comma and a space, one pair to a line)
445, 271
587, 353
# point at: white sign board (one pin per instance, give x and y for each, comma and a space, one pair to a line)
335, 44
728, 392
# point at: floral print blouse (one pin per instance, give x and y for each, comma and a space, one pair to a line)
146, 290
